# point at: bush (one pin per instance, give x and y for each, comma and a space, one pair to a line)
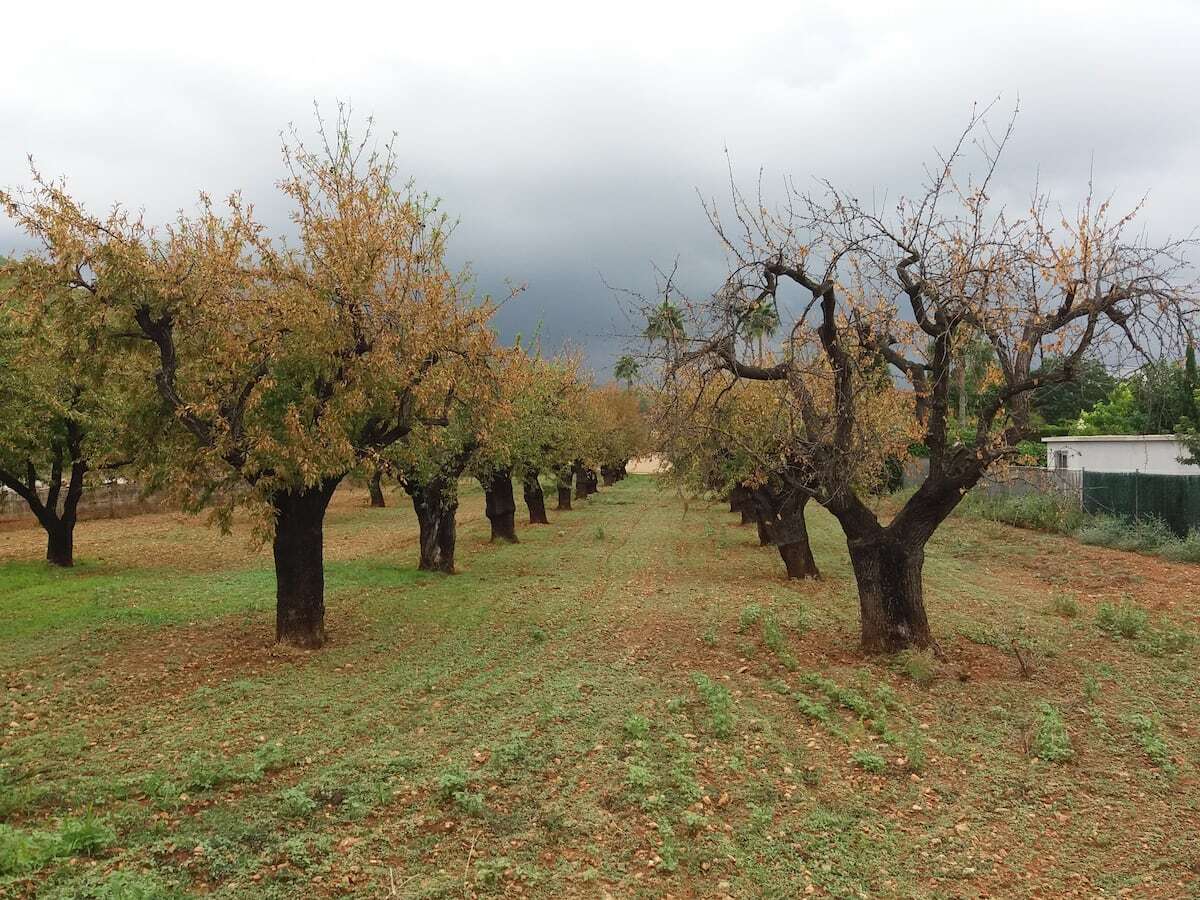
1065, 605
1125, 620
1051, 741
870, 762
719, 702
1185, 550
1039, 512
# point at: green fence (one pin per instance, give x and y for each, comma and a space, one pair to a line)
1173, 498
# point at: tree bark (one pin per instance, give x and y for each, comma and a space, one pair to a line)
60, 545
428, 524
890, 594
299, 564
581, 485
609, 474
499, 505
447, 535
764, 534
564, 476
535, 500
375, 487
789, 533
436, 505
592, 482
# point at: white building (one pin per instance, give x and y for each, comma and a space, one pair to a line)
1151, 454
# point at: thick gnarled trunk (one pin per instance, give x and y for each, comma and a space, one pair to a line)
499, 505
890, 594
535, 499
375, 488
299, 564
436, 505
563, 482
581, 482
60, 544
787, 529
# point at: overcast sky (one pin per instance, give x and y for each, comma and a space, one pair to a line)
571, 139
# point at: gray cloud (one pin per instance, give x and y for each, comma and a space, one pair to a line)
572, 144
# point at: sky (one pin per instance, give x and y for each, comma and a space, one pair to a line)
573, 142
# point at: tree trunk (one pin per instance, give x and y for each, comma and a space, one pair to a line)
375, 486
447, 535
609, 474
436, 504
564, 476
428, 524
739, 502
499, 505
535, 500
299, 564
593, 483
60, 544
581, 485
789, 532
890, 594
764, 534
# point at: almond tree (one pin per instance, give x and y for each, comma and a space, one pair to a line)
861, 292
64, 406
281, 367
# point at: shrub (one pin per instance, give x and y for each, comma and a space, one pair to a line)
1186, 550
86, 835
1125, 620
719, 702
637, 727
870, 762
1065, 605
917, 665
1039, 512
1145, 732
750, 614
451, 782
1051, 741
296, 804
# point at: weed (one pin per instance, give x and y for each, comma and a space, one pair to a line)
870, 762
1125, 620
719, 702
1051, 741
749, 616
710, 636
513, 752
452, 787
1145, 732
637, 727
489, 873
639, 777
599, 533
914, 754
917, 665
668, 850
1065, 605
27, 851
296, 804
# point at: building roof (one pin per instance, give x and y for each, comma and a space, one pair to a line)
1072, 438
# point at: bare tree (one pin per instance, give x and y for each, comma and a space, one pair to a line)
862, 293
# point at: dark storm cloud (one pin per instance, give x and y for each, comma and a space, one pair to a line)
572, 144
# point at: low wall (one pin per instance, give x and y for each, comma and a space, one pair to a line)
103, 501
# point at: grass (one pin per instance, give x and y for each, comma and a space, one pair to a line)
633, 701
1055, 513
